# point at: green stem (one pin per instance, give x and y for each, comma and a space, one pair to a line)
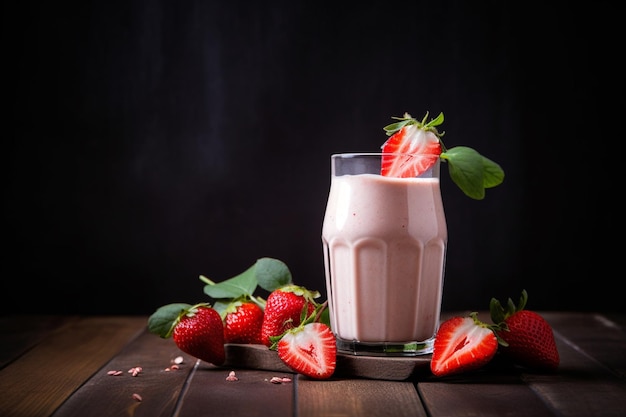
206, 280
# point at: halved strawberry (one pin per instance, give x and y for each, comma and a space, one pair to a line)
462, 344
309, 349
413, 147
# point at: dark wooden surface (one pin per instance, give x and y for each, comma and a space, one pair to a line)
58, 366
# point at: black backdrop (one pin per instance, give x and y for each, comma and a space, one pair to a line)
149, 142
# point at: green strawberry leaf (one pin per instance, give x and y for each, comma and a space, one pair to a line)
162, 321
221, 306
471, 171
407, 119
325, 317
268, 273
272, 274
237, 286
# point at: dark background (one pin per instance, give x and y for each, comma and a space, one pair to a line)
149, 142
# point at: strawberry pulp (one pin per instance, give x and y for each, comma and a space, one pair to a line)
410, 152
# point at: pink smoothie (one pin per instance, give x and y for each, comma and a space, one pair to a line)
384, 251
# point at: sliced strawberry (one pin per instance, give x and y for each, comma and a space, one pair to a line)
310, 350
462, 344
416, 146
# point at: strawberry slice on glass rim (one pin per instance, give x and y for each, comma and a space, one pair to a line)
413, 147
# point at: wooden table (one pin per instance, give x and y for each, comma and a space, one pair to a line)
59, 366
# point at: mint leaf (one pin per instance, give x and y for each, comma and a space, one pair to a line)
272, 274
493, 173
268, 273
242, 284
465, 166
162, 321
471, 171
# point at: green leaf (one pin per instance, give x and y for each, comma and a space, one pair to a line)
221, 306
162, 321
471, 171
325, 317
493, 173
465, 166
237, 286
407, 119
272, 274
434, 122
394, 127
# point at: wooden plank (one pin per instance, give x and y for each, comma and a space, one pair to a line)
19, 333
590, 379
600, 337
358, 397
47, 374
158, 384
384, 368
617, 318
210, 394
481, 395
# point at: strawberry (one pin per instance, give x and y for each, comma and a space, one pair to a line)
462, 344
242, 322
285, 308
309, 349
197, 330
526, 337
415, 145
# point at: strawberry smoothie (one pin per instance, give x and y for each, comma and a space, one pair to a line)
384, 245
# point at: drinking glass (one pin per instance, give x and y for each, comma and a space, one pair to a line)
384, 243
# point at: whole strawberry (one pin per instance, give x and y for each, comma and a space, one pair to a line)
242, 322
526, 337
197, 330
462, 344
286, 308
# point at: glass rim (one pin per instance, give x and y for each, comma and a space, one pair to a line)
374, 154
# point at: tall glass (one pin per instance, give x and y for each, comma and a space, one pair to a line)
384, 245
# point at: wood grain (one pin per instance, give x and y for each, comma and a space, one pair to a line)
20, 333
157, 384
590, 379
358, 397
57, 366
46, 375
210, 394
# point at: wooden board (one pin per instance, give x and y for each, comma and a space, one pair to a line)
358, 397
370, 367
60, 361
